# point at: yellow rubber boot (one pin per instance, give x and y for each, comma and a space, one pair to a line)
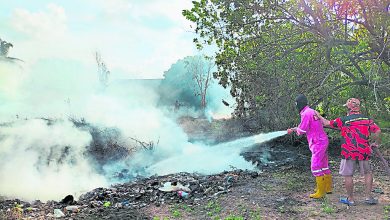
328, 183
320, 188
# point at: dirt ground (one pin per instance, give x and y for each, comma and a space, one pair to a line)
283, 194
279, 189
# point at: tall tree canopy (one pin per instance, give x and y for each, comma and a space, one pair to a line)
179, 85
270, 50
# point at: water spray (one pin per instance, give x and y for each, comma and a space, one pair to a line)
252, 140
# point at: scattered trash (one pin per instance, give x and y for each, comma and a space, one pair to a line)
218, 193
229, 179
183, 194
378, 190
68, 200
107, 204
31, 209
155, 190
58, 213
95, 204
170, 187
72, 208
208, 190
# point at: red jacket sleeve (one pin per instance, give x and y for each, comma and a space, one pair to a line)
336, 123
374, 128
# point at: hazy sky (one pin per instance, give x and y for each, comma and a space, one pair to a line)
136, 38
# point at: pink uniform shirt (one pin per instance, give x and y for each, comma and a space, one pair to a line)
311, 126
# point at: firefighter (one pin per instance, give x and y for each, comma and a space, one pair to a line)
311, 126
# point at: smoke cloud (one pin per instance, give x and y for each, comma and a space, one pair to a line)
45, 156
38, 161
211, 159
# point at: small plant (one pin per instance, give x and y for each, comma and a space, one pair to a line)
281, 209
387, 212
16, 212
255, 214
178, 210
186, 208
158, 218
326, 207
176, 213
213, 209
233, 217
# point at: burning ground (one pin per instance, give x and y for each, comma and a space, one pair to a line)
277, 189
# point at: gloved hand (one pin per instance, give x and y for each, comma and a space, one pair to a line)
291, 130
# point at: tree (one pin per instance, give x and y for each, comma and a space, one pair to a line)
4, 48
186, 83
103, 72
200, 68
270, 50
177, 87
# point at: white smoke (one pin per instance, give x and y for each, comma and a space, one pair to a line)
211, 159
38, 161
33, 164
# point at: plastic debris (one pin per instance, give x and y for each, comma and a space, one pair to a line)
169, 187
378, 190
107, 204
58, 213
72, 208
183, 194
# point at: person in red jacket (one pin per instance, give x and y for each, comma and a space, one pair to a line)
356, 149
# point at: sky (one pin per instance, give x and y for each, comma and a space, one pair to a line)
58, 79
136, 38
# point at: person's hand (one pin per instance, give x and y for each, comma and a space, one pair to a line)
291, 130
372, 145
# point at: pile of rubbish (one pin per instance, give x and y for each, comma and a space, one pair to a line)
123, 200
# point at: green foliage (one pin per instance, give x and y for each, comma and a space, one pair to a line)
386, 211
158, 218
177, 211
385, 137
233, 217
188, 82
176, 214
326, 206
178, 85
213, 208
271, 50
255, 214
